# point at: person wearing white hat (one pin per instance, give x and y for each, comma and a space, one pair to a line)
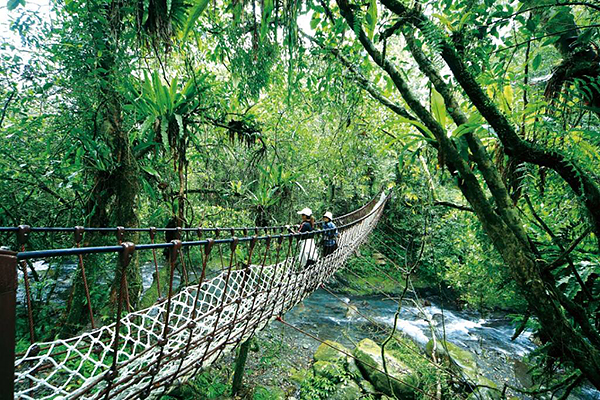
307, 252
329, 237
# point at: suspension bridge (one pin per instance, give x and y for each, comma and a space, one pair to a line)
258, 278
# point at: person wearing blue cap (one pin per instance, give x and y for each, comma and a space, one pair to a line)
329, 237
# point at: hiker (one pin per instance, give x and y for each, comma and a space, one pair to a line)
307, 251
329, 237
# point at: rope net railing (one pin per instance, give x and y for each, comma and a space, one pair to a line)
240, 285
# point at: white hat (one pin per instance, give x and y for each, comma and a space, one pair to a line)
305, 211
328, 214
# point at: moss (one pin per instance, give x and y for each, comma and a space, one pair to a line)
368, 354
268, 393
327, 351
328, 370
346, 391
299, 375
447, 350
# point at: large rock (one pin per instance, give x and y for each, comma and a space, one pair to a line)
268, 393
299, 375
449, 352
368, 354
463, 361
367, 387
487, 391
346, 391
328, 351
352, 368
328, 369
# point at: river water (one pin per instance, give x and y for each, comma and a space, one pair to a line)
339, 318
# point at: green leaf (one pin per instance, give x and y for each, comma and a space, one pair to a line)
147, 124
164, 125
148, 188
371, 18
463, 20
195, 13
438, 107
443, 19
179, 120
12, 4
422, 128
314, 21
508, 95
472, 124
537, 60
531, 24
173, 89
551, 40
266, 17
150, 170
146, 6
143, 146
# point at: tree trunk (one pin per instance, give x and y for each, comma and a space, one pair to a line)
502, 225
577, 178
113, 199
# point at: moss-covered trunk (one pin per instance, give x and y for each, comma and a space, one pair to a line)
113, 198
499, 219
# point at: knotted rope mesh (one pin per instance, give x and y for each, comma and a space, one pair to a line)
203, 322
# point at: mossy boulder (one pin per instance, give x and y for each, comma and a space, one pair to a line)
352, 368
268, 393
370, 362
449, 352
487, 391
328, 351
299, 375
367, 387
327, 369
464, 362
346, 391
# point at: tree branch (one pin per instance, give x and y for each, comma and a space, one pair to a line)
452, 205
490, 173
468, 182
568, 251
580, 182
557, 241
362, 81
6, 107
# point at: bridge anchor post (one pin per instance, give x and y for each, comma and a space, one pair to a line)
8, 302
240, 364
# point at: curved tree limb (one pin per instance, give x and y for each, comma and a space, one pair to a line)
452, 205
491, 175
522, 260
575, 176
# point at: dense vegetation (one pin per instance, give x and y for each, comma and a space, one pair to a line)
480, 116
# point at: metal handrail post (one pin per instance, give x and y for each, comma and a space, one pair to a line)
8, 302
